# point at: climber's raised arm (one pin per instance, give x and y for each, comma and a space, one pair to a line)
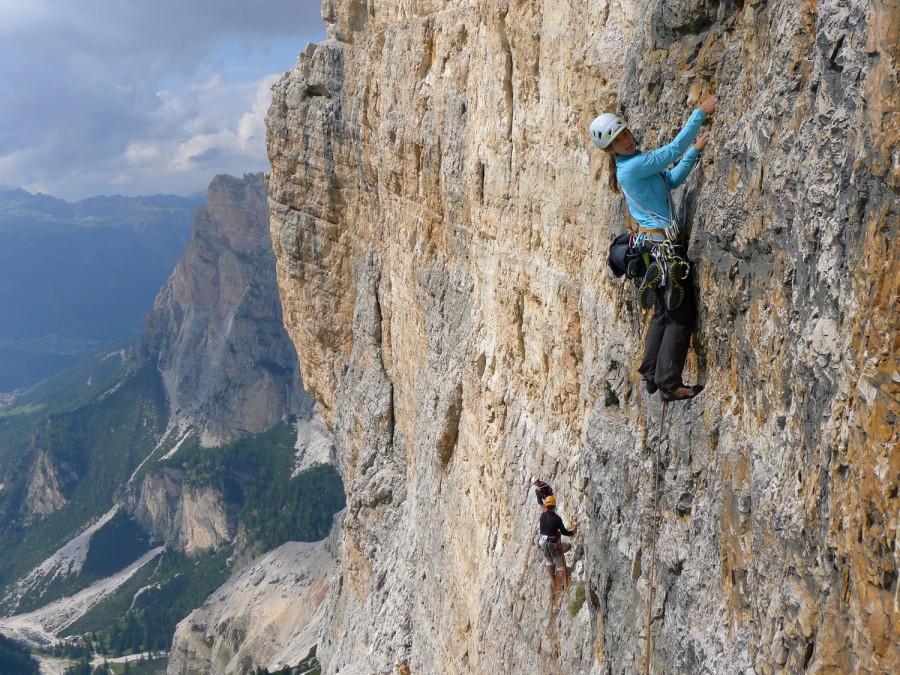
649, 163
666, 284
679, 173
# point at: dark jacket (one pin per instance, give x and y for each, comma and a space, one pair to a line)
552, 525
542, 490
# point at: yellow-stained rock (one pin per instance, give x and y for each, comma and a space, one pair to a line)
441, 223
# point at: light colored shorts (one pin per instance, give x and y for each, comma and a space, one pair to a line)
554, 552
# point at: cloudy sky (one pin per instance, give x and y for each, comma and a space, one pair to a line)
139, 97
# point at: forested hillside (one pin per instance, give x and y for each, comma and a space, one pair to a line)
75, 276
136, 482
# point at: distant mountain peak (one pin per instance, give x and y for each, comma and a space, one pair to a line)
216, 328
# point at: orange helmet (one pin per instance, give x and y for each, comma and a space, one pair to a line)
550, 502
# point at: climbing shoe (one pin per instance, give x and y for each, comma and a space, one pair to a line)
649, 284
673, 293
633, 267
650, 386
681, 393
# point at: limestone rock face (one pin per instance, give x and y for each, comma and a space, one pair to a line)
188, 519
44, 494
441, 223
47, 477
216, 328
265, 616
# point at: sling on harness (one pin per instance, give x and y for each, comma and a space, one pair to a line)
669, 266
546, 543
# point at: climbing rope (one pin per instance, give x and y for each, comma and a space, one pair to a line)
653, 528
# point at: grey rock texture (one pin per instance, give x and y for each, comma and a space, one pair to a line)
267, 615
216, 328
188, 519
44, 494
441, 223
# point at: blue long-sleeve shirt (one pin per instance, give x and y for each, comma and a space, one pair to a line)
645, 179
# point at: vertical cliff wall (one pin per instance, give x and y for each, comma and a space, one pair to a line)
441, 224
216, 329
190, 519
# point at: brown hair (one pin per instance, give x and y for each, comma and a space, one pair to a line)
612, 178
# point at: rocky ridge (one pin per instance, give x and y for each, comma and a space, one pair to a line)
440, 221
216, 328
222, 297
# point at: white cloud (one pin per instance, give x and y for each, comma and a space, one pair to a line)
218, 123
142, 152
252, 128
140, 97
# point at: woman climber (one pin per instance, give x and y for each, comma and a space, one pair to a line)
647, 182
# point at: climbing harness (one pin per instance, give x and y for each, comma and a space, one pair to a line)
653, 529
549, 544
667, 252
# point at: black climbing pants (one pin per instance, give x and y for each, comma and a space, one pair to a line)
668, 339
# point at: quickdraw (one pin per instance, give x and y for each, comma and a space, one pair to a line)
666, 253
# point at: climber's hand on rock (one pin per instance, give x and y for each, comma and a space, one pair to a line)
702, 139
709, 105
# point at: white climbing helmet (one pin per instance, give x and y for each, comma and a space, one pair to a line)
605, 128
